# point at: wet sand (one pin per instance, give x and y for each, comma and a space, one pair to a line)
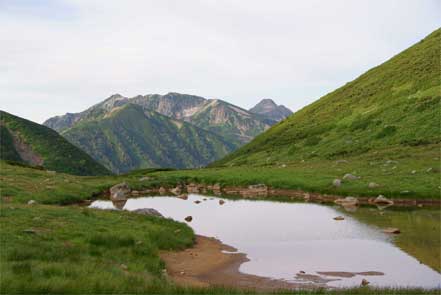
210, 263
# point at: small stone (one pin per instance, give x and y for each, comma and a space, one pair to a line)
420, 205
391, 230
302, 272
341, 161
349, 176
124, 267
336, 182
144, 178
429, 169
138, 242
373, 185
413, 171
221, 202
188, 218
197, 202
339, 218
204, 199
364, 282
182, 273
32, 202
383, 200
177, 231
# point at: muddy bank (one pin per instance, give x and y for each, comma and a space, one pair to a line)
263, 191
211, 263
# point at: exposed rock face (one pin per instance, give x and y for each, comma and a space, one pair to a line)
269, 109
148, 212
119, 192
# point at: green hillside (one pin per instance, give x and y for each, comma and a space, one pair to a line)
131, 137
30, 143
393, 106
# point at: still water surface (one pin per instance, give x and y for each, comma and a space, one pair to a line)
282, 239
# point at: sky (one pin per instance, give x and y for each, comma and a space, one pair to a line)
64, 56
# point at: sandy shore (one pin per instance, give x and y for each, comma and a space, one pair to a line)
206, 264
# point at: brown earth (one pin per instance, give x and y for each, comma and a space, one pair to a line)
207, 264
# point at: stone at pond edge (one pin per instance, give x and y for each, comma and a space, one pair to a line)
188, 218
119, 192
339, 218
183, 196
148, 212
348, 201
221, 202
383, 200
197, 202
391, 230
364, 282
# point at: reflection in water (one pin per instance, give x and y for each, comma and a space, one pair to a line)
302, 242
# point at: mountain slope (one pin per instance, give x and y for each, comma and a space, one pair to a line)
237, 125
270, 110
394, 105
131, 137
28, 142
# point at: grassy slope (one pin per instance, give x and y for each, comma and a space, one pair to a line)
396, 104
79, 250
58, 154
131, 139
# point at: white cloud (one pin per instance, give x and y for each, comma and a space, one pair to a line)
63, 56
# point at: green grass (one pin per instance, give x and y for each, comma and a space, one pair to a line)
392, 110
55, 151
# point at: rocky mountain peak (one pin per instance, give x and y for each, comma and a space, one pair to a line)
270, 110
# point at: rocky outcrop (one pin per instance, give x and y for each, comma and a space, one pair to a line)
119, 192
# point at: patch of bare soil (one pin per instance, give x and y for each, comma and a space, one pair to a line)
211, 263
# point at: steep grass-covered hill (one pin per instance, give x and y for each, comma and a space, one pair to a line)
132, 137
395, 105
31, 143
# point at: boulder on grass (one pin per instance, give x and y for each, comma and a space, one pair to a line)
148, 212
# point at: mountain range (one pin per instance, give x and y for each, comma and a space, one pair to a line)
171, 130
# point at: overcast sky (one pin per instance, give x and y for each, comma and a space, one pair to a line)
64, 56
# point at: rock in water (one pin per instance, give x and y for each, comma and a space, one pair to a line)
188, 218
148, 212
336, 182
221, 202
339, 218
197, 202
183, 196
391, 230
119, 192
364, 282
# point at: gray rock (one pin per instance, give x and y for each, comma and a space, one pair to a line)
383, 200
32, 202
119, 192
336, 182
348, 201
341, 161
373, 185
349, 176
188, 218
148, 212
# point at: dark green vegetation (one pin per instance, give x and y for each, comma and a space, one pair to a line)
393, 106
28, 142
72, 249
130, 137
